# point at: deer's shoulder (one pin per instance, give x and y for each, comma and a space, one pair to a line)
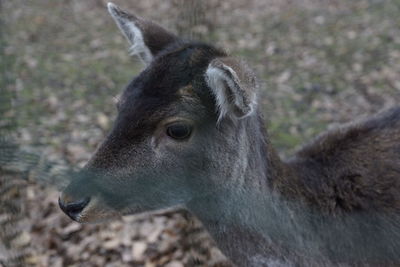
353, 167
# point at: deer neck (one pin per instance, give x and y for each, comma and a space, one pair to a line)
236, 215
255, 166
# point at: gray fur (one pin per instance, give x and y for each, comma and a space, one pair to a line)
336, 202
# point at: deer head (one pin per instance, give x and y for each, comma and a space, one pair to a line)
178, 130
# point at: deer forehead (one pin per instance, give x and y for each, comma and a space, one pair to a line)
148, 110
174, 77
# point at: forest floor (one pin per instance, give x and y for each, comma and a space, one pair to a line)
320, 63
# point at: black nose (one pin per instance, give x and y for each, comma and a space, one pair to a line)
73, 209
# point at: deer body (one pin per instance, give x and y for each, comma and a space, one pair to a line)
189, 133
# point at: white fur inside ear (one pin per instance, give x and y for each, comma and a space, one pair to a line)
138, 47
226, 98
216, 78
132, 33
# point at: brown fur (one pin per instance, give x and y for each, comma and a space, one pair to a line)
354, 167
336, 202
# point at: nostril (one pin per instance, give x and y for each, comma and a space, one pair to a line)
73, 209
78, 206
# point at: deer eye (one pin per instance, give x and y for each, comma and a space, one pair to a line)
179, 131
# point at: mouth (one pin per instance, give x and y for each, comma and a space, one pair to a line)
96, 216
95, 210
141, 212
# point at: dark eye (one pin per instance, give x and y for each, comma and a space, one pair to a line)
179, 131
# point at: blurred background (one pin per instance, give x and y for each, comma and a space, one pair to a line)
320, 63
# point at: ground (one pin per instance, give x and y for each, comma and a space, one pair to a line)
320, 63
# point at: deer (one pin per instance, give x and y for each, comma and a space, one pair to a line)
189, 133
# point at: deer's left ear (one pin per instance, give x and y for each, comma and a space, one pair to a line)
234, 87
147, 38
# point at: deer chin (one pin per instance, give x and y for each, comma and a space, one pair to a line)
97, 213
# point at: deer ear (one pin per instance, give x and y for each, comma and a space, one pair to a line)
146, 38
234, 87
